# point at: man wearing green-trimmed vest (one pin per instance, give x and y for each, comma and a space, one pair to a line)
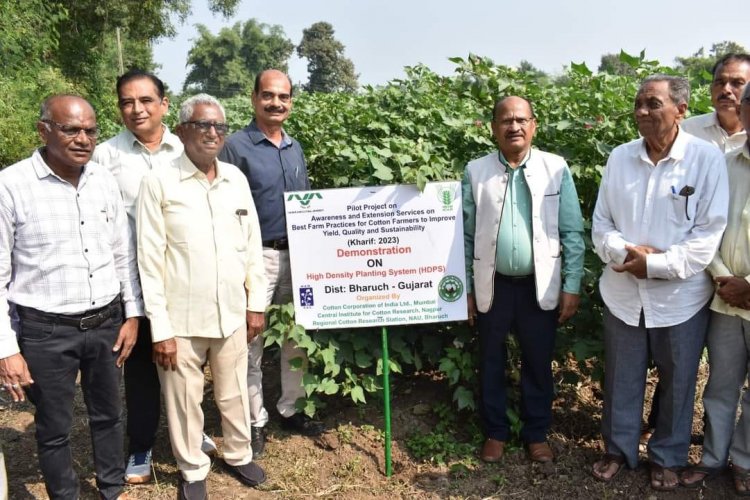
523, 236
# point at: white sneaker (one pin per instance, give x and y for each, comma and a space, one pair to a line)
138, 470
208, 446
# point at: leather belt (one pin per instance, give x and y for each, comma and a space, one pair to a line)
515, 279
282, 244
84, 321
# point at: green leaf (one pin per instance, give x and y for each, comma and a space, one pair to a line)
632, 61
357, 394
463, 398
580, 69
296, 363
381, 171
328, 386
363, 359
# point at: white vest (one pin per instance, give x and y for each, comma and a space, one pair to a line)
489, 182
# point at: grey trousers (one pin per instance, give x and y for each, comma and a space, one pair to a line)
728, 356
676, 352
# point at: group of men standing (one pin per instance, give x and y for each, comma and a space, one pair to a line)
157, 256
163, 253
674, 235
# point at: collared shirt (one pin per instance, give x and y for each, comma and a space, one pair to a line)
707, 127
733, 257
515, 255
63, 249
129, 160
271, 172
569, 224
640, 203
199, 251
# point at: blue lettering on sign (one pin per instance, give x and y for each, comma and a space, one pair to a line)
306, 296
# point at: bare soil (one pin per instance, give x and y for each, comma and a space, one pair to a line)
348, 461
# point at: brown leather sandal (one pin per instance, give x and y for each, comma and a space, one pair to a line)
659, 475
704, 471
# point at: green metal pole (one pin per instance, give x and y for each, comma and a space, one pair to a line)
387, 402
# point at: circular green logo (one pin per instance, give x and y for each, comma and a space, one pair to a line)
450, 288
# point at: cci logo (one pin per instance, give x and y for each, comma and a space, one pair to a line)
304, 199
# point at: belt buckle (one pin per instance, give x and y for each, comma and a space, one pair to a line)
92, 321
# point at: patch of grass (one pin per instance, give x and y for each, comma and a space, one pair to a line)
442, 445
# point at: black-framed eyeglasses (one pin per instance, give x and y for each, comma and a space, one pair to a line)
205, 127
72, 132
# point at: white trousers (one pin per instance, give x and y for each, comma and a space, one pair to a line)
279, 274
182, 393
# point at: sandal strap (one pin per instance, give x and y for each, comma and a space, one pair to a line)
610, 458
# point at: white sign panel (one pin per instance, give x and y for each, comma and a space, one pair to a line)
377, 256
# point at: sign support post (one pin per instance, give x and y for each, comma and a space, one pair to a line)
387, 403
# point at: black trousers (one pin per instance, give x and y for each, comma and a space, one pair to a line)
515, 308
142, 393
54, 354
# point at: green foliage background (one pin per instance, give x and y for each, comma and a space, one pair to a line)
413, 130
427, 127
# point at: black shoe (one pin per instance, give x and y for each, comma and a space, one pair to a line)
258, 441
300, 423
192, 490
249, 474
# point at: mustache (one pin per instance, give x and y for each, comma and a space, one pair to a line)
274, 109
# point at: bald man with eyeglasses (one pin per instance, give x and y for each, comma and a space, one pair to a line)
68, 276
523, 236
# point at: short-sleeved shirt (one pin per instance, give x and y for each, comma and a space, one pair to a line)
271, 172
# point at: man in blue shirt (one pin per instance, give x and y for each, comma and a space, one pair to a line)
274, 164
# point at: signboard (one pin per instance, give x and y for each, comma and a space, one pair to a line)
377, 256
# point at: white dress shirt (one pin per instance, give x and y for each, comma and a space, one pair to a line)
199, 251
129, 160
639, 203
733, 257
63, 249
707, 127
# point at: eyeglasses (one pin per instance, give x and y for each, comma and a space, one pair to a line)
72, 132
205, 127
522, 122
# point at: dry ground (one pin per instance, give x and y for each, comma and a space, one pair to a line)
348, 462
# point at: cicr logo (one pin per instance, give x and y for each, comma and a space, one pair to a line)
304, 199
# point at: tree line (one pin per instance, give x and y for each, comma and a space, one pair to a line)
81, 46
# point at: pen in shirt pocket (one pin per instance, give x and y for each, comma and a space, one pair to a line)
240, 212
105, 211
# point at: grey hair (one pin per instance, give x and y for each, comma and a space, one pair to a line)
679, 87
745, 94
188, 106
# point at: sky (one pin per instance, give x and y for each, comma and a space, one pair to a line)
383, 36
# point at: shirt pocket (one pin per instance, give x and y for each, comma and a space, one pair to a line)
550, 211
239, 228
682, 209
